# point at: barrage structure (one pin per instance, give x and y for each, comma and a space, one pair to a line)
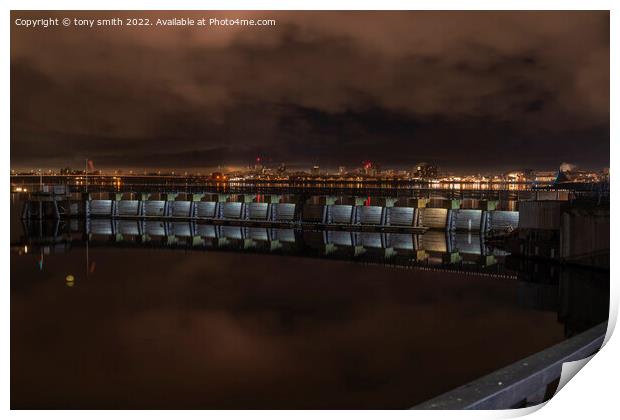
384, 213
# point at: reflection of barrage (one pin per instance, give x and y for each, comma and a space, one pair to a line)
69, 280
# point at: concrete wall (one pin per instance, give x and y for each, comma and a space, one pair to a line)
502, 220
584, 233
540, 214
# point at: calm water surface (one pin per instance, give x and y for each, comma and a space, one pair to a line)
179, 328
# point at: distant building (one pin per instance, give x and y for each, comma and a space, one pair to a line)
342, 170
545, 176
515, 176
316, 170
425, 170
605, 175
369, 168
218, 176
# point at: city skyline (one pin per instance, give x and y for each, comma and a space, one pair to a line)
563, 166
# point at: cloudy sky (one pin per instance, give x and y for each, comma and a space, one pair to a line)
467, 90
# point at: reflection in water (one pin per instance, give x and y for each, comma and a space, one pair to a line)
440, 249
120, 314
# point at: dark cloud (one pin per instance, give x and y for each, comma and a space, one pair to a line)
529, 88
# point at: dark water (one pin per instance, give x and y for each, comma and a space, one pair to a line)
161, 325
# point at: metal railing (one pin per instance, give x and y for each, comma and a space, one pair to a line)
524, 383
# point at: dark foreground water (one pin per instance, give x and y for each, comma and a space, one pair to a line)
155, 326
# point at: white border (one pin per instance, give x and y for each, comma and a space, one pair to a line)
592, 394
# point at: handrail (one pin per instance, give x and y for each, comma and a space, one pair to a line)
516, 384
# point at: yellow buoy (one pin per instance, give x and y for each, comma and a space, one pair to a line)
69, 280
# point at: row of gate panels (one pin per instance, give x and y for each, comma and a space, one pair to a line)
433, 218
434, 241
189, 209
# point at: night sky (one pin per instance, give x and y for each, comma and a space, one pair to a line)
471, 91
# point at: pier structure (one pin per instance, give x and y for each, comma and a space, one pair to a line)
576, 233
46, 203
279, 210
